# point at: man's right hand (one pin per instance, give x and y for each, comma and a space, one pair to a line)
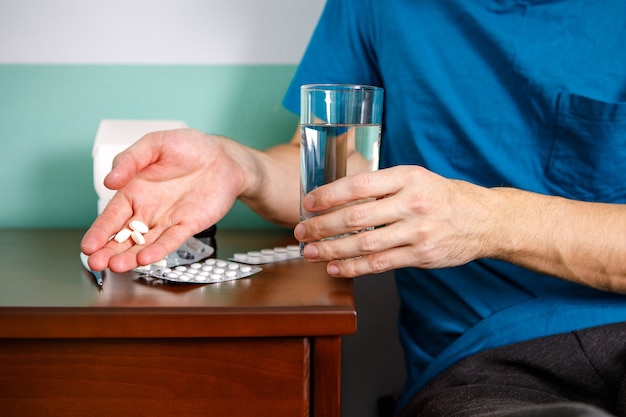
178, 182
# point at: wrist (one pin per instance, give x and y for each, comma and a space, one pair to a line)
245, 171
523, 227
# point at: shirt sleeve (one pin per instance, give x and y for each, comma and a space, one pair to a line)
340, 51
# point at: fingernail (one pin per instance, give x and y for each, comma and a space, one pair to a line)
310, 252
333, 269
299, 232
308, 201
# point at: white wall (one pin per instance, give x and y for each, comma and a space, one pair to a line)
156, 31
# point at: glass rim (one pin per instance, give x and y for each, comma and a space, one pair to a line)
340, 87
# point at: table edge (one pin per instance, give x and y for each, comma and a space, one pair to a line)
183, 322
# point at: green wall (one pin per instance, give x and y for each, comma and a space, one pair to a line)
49, 115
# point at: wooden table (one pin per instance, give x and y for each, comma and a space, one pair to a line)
266, 345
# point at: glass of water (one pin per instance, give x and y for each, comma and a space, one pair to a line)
340, 129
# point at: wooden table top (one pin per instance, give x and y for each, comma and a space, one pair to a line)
46, 293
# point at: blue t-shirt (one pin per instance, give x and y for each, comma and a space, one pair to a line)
528, 94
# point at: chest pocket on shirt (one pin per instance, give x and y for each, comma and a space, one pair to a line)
588, 157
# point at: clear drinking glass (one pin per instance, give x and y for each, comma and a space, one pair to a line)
340, 128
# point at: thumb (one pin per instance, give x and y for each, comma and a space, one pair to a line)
131, 161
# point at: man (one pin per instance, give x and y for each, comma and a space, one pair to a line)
503, 199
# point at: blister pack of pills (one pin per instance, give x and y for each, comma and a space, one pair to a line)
189, 264
265, 256
192, 251
208, 272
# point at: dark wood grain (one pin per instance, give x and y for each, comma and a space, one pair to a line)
159, 377
264, 345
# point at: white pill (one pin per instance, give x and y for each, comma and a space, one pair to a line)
138, 238
185, 277
139, 226
123, 235
161, 264
181, 268
240, 257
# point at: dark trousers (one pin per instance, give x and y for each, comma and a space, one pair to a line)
578, 374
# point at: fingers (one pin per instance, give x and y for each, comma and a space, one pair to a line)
105, 252
348, 204
347, 219
344, 207
352, 188
168, 241
379, 250
356, 245
371, 264
125, 253
113, 219
125, 256
349, 261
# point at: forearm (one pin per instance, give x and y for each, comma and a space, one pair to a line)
271, 187
578, 241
